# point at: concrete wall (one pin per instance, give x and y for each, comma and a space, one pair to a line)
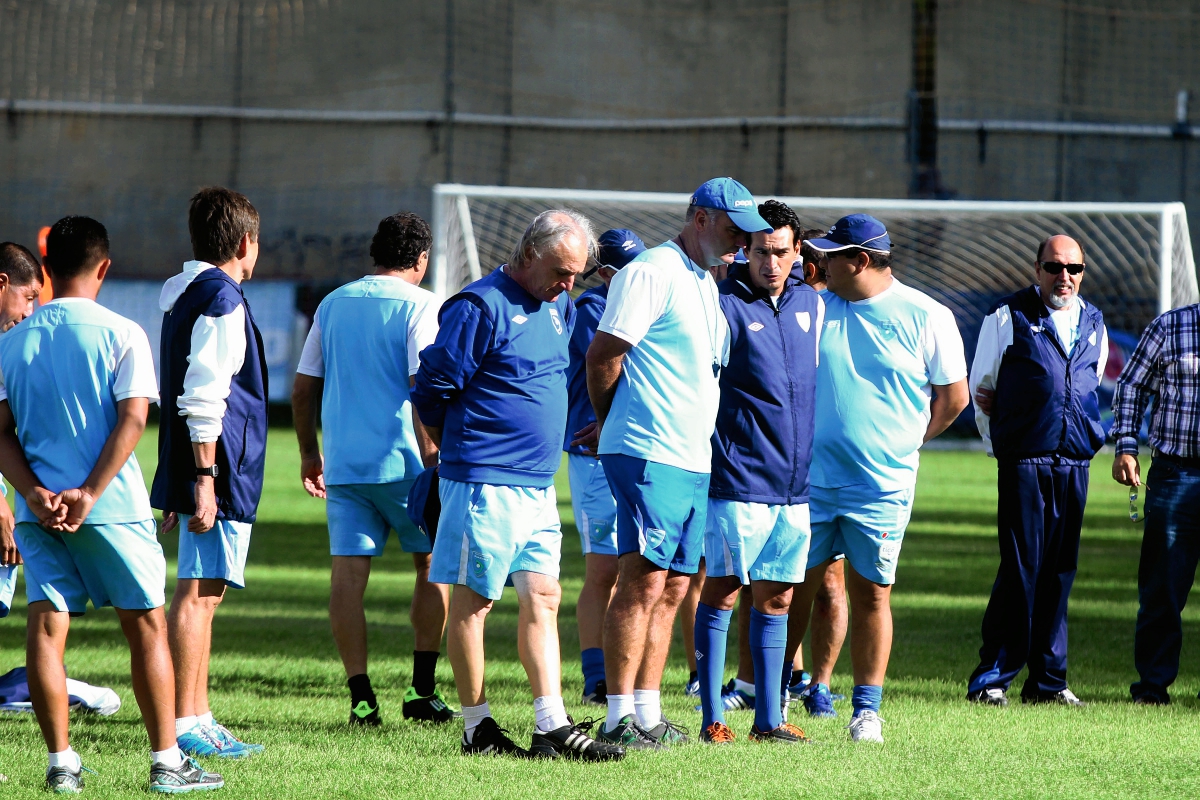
322, 187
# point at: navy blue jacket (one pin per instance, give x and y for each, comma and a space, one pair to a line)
242, 445
589, 308
1046, 407
762, 446
495, 382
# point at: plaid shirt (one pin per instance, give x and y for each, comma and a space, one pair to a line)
1164, 366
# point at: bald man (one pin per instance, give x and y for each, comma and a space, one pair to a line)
1039, 361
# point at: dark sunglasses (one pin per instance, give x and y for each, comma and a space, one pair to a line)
1053, 267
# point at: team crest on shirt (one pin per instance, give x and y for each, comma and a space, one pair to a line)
554, 318
756, 326
804, 319
887, 329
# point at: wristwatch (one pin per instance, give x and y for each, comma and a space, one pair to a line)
210, 472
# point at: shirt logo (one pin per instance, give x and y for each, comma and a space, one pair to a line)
1092, 338
756, 326
887, 329
833, 323
554, 318
1035, 328
520, 319
803, 318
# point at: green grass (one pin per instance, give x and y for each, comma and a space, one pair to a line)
277, 680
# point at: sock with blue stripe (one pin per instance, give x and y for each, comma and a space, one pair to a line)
593, 668
768, 641
866, 698
712, 630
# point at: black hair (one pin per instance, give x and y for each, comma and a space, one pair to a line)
20, 265
400, 240
74, 246
779, 215
879, 259
218, 219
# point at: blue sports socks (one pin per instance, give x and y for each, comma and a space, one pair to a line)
593, 668
866, 698
768, 641
712, 629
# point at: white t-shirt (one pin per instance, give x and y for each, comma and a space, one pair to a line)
665, 408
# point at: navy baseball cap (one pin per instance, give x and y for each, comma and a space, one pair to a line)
735, 200
618, 247
856, 230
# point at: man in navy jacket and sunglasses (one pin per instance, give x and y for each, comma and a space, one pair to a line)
1037, 366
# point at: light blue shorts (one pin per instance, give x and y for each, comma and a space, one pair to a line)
486, 533
862, 522
8, 588
219, 553
757, 541
660, 511
362, 514
594, 505
119, 564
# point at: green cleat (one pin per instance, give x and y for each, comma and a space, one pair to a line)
433, 708
667, 733
629, 735
362, 714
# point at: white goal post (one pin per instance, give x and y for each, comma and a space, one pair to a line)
965, 253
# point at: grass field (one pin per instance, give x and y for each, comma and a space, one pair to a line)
277, 680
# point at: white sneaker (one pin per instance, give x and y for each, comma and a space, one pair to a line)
866, 726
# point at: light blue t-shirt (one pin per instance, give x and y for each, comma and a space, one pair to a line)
666, 402
365, 342
879, 359
63, 371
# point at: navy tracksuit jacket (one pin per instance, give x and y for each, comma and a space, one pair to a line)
1045, 429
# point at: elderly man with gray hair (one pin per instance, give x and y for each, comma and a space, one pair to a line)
492, 392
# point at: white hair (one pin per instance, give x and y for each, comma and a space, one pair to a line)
547, 231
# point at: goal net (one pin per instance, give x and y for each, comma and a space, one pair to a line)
966, 254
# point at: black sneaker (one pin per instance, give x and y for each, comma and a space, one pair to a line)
64, 780
572, 741
366, 716
786, 733
668, 733
1064, 698
629, 734
491, 740
433, 708
598, 696
994, 696
189, 777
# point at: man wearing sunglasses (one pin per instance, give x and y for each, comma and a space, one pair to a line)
1037, 366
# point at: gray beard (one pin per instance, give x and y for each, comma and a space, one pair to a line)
1061, 302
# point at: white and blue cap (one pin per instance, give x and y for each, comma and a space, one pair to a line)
856, 230
726, 194
617, 247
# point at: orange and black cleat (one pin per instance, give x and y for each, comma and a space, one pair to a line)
787, 733
717, 733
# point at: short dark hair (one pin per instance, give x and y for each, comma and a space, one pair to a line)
20, 265
74, 246
218, 218
780, 215
400, 240
879, 258
1046, 241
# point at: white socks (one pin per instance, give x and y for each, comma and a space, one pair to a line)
171, 758
67, 758
619, 707
649, 707
472, 716
206, 720
551, 713
185, 724
743, 687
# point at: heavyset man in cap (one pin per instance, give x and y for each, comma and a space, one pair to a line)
591, 498
1037, 367
893, 376
653, 372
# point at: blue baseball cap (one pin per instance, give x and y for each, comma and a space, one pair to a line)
735, 200
856, 230
740, 257
618, 247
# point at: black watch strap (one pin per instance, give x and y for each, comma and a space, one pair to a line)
210, 472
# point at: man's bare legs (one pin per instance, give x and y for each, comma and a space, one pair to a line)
827, 614
641, 585
189, 627
870, 629
347, 585
648, 682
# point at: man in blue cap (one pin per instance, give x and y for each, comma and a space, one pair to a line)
653, 372
591, 498
893, 376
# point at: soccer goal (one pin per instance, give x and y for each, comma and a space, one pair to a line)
967, 254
